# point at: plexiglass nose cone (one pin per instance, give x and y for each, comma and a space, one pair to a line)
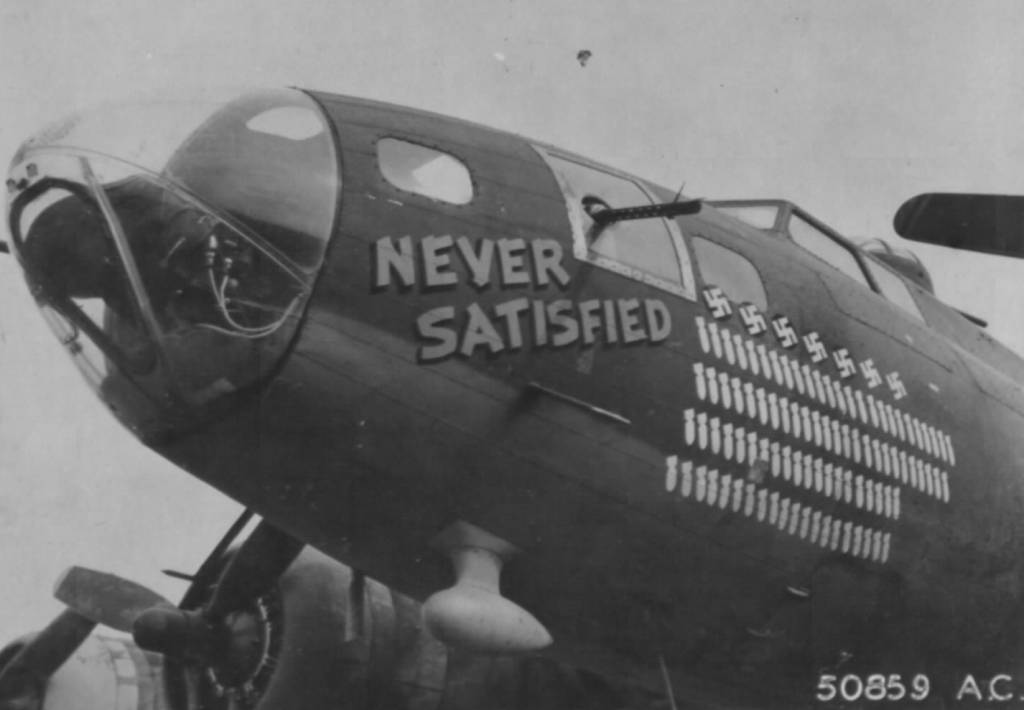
172, 247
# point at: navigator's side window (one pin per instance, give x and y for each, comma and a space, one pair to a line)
648, 250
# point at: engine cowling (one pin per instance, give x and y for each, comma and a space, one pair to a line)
348, 641
323, 636
103, 673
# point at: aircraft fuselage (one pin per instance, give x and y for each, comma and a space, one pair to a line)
732, 457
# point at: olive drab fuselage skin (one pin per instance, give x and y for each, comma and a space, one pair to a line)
752, 492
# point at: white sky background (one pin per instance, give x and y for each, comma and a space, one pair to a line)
845, 108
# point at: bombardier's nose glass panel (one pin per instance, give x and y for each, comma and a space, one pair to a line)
88, 297
177, 270
271, 167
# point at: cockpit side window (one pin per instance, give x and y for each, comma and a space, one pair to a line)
763, 217
829, 250
649, 250
893, 288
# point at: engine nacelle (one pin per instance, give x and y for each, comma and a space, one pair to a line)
103, 674
323, 637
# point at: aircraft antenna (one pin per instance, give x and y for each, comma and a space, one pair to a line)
679, 192
668, 681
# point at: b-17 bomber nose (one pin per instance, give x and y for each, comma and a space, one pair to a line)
172, 246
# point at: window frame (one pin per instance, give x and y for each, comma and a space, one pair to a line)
786, 212
685, 288
729, 208
865, 261
872, 264
837, 239
743, 257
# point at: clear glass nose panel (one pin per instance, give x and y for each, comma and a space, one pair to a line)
175, 266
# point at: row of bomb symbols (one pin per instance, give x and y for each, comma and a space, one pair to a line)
741, 496
735, 444
803, 423
783, 366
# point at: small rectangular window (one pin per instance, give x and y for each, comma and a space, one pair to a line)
424, 171
758, 216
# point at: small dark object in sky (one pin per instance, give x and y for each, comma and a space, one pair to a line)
582, 56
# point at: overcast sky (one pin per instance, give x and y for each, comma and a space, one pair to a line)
847, 108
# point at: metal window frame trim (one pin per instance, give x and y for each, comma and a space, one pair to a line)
686, 288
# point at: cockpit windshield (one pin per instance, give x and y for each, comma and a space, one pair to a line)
172, 246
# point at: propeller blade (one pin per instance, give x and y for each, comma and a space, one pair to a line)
208, 572
254, 569
202, 634
186, 632
106, 598
22, 678
977, 222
